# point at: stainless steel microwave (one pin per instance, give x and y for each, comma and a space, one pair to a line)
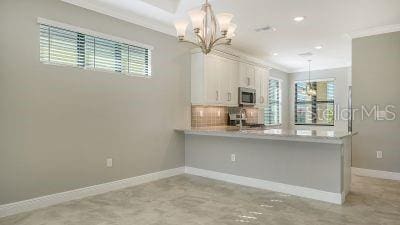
247, 96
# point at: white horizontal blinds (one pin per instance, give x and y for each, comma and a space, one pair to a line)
89, 51
272, 112
44, 43
111, 55
139, 58
60, 46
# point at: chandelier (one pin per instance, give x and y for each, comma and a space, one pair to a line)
204, 23
310, 90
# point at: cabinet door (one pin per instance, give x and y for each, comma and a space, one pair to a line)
234, 83
224, 80
258, 82
261, 80
229, 82
211, 80
247, 75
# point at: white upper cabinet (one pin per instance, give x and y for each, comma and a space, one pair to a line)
255, 77
211, 75
247, 75
214, 80
261, 86
229, 83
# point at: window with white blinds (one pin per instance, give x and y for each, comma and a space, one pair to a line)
64, 47
272, 113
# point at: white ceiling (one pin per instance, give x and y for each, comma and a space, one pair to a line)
329, 23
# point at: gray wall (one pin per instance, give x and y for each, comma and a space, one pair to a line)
342, 78
59, 124
376, 79
274, 73
312, 165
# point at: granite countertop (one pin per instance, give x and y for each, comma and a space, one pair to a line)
275, 134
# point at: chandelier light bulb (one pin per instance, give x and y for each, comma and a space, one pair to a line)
224, 21
197, 17
231, 31
181, 26
230, 36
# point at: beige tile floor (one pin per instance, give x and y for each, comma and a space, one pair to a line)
187, 200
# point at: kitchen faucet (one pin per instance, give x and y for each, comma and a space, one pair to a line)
241, 111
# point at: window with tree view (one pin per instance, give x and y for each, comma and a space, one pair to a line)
318, 109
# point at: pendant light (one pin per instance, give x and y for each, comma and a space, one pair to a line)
310, 90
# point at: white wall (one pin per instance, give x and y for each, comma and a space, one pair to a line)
342, 80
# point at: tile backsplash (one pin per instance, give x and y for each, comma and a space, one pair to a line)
207, 116
252, 115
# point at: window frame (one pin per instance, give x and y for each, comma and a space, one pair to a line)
313, 103
84, 31
280, 81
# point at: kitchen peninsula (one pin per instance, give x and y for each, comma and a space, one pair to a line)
306, 163
228, 92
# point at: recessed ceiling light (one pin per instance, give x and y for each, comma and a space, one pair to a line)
299, 18
275, 54
318, 47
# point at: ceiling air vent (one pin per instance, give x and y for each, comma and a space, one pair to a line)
266, 28
306, 54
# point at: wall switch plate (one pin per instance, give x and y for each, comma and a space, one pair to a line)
109, 162
201, 113
379, 154
233, 158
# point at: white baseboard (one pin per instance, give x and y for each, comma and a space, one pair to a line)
336, 198
375, 173
41, 202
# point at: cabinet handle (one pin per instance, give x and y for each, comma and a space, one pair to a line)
229, 96
217, 95
248, 81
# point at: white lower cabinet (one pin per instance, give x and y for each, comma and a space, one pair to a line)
214, 80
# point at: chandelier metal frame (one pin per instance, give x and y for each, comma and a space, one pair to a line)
206, 37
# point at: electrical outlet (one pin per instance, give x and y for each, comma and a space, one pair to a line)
379, 154
233, 158
109, 162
